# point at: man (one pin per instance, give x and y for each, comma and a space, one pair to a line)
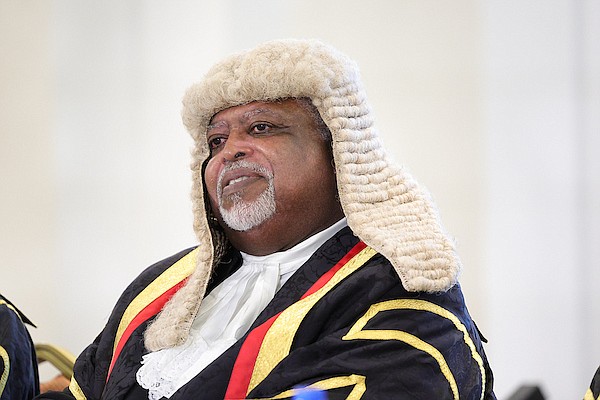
321, 264
18, 365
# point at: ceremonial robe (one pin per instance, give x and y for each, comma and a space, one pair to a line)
342, 323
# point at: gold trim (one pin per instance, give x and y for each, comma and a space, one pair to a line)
358, 381
414, 342
76, 390
5, 370
169, 278
10, 306
278, 340
589, 395
421, 305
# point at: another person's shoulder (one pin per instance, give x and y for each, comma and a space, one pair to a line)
8, 312
594, 390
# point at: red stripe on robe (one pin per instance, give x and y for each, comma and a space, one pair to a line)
145, 314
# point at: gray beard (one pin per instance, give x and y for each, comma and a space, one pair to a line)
243, 215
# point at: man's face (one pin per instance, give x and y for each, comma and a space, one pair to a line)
269, 163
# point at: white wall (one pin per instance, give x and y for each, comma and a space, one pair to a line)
493, 106
542, 147
28, 172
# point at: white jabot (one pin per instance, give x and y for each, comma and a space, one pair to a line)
225, 315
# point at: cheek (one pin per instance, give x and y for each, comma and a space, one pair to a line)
211, 176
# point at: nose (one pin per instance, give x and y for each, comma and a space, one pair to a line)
236, 147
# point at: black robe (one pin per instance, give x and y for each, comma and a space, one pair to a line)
343, 323
593, 392
18, 363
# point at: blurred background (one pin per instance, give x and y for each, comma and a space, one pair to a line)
493, 105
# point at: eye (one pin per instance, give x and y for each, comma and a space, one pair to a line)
215, 142
260, 127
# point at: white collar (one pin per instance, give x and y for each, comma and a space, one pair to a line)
290, 260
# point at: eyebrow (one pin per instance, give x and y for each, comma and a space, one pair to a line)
244, 117
216, 125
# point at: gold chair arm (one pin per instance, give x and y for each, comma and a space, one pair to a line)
61, 359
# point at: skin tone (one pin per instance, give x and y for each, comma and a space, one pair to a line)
282, 137
58, 383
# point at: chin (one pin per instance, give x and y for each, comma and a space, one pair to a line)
244, 216
244, 222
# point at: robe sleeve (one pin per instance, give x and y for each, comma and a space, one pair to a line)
86, 382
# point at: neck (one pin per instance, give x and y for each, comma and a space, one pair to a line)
280, 234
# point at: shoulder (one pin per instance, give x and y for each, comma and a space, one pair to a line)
158, 278
380, 272
594, 391
17, 356
15, 341
7, 310
10, 315
433, 315
159, 268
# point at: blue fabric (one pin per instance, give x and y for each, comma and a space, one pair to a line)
23, 381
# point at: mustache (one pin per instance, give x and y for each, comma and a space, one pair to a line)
254, 167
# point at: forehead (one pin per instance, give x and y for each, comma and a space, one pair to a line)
286, 109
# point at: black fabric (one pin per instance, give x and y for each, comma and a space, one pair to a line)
595, 385
392, 369
16, 345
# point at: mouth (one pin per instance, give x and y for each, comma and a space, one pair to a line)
238, 184
236, 179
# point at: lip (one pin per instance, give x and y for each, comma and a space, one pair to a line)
238, 179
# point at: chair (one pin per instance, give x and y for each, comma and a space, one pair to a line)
527, 392
60, 359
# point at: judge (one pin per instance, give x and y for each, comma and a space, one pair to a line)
320, 264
